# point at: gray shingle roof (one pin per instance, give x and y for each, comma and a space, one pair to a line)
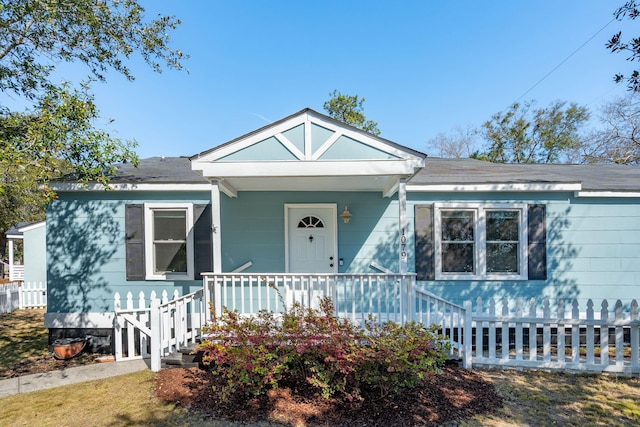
15, 230
165, 170
596, 177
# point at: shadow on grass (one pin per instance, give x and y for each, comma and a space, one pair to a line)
22, 336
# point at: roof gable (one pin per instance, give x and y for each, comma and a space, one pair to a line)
307, 135
308, 150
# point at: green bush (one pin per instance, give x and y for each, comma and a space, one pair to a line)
340, 359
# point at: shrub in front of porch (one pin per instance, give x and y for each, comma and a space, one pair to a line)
339, 359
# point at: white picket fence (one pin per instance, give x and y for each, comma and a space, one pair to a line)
156, 327
568, 339
21, 295
495, 334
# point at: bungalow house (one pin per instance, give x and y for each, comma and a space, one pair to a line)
312, 197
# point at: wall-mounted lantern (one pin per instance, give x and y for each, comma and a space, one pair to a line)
345, 215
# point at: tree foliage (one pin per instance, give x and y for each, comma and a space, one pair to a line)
524, 134
619, 139
348, 109
55, 131
630, 10
35, 35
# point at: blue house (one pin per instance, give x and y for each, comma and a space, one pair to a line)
309, 199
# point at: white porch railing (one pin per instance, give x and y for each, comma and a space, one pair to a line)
355, 296
452, 318
21, 295
16, 272
156, 328
386, 296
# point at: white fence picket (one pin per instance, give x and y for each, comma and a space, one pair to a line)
491, 335
156, 328
540, 339
22, 295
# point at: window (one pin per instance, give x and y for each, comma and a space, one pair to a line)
475, 241
310, 222
168, 241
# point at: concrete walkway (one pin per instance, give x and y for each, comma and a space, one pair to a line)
96, 371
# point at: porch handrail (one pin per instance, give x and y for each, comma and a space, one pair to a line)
162, 327
354, 295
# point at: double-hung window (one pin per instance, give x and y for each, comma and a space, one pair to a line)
478, 241
169, 241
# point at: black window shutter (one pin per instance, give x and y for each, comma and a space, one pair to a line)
537, 233
134, 235
203, 251
424, 240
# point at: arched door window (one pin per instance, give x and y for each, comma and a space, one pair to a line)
310, 222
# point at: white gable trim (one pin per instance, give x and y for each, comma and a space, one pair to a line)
289, 146
32, 226
307, 168
323, 149
307, 119
250, 140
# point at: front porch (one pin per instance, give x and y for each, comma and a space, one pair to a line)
162, 326
589, 341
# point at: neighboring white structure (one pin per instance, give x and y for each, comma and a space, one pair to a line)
34, 251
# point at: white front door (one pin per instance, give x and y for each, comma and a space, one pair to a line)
311, 238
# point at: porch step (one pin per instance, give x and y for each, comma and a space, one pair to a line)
453, 361
186, 357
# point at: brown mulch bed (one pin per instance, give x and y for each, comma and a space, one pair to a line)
48, 363
453, 394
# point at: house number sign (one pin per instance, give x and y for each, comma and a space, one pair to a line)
403, 245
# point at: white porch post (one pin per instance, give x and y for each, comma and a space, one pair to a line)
11, 272
402, 224
215, 227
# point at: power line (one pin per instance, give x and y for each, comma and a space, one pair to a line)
565, 60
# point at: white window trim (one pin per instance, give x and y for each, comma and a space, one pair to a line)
480, 239
149, 208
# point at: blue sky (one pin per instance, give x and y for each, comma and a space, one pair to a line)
422, 66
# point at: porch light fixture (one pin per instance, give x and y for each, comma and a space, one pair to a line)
345, 215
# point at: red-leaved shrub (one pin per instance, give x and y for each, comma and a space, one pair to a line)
254, 354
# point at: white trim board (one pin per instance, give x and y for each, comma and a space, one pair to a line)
505, 187
32, 226
131, 187
78, 320
613, 194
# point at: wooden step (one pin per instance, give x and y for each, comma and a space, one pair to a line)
186, 357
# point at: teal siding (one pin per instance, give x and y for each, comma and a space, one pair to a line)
346, 148
593, 250
296, 137
319, 136
86, 260
593, 245
269, 149
254, 229
35, 255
